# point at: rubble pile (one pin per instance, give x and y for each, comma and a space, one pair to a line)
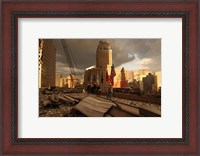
61, 102
58, 103
78, 96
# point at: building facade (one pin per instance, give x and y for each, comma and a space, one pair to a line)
104, 55
97, 74
142, 73
148, 83
70, 81
129, 75
58, 77
158, 80
47, 63
151, 83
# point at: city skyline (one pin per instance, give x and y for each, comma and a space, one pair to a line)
132, 54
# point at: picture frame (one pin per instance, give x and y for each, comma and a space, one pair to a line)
12, 11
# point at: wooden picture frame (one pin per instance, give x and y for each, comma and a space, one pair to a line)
11, 11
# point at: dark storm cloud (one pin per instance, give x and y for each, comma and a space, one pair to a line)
121, 51
144, 48
83, 52
124, 50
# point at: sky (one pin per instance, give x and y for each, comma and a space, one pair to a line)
132, 54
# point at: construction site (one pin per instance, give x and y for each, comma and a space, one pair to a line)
104, 91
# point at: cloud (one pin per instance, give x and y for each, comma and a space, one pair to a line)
146, 61
83, 52
121, 51
153, 63
131, 56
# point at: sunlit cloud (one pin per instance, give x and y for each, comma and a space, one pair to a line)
130, 53
146, 61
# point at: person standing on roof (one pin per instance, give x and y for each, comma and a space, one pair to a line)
110, 91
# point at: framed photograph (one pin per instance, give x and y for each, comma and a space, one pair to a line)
100, 77
102, 82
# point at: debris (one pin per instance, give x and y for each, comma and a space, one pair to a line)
46, 102
63, 102
115, 112
92, 107
63, 99
72, 100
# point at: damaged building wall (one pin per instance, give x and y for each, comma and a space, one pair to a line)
47, 63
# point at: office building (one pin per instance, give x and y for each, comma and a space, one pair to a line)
47, 63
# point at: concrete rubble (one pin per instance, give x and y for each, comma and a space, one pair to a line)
57, 103
61, 102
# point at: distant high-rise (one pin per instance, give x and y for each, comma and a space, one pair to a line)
98, 74
70, 81
148, 82
123, 82
129, 75
142, 73
47, 63
158, 80
58, 76
104, 55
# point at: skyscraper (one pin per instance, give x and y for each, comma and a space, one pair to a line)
98, 74
158, 80
47, 63
129, 75
148, 82
142, 73
104, 55
57, 81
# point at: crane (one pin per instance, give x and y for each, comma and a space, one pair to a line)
69, 60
